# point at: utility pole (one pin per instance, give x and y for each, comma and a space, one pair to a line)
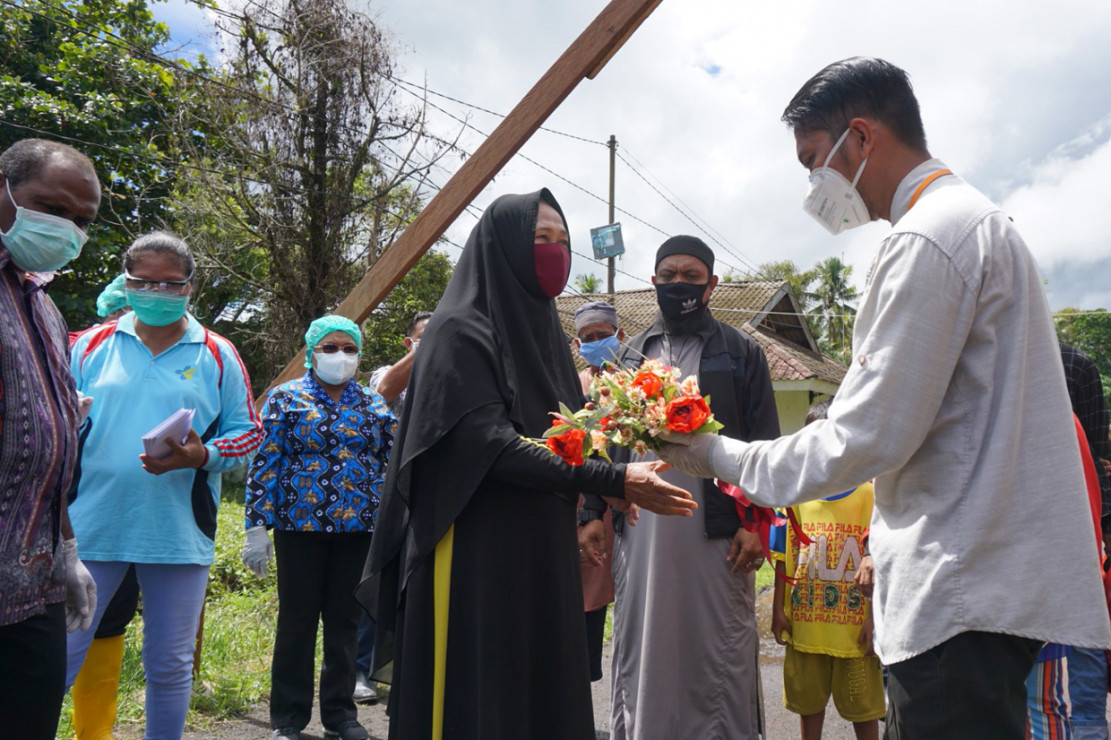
613, 154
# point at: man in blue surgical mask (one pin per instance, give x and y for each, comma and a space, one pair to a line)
49, 194
598, 338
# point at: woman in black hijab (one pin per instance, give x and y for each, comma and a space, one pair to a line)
473, 575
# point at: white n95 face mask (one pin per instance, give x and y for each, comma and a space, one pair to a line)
336, 368
832, 200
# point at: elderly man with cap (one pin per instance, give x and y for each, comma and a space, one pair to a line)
685, 639
598, 341
598, 338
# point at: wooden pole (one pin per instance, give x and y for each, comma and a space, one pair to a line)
585, 57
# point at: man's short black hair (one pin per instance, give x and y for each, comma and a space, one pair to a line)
24, 159
858, 87
418, 317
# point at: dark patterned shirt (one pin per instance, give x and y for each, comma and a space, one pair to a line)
38, 444
1089, 405
321, 463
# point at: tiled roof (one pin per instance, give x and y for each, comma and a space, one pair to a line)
786, 342
732, 303
789, 361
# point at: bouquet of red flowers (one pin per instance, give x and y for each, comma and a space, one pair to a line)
630, 407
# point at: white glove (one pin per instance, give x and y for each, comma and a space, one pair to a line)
257, 550
80, 590
84, 405
690, 453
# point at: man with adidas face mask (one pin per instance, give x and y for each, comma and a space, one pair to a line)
50, 195
685, 593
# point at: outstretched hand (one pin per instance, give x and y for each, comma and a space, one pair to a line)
645, 488
691, 454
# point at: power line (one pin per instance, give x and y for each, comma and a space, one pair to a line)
402, 81
468, 124
685, 215
155, 58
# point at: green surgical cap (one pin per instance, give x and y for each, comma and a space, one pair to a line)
324, 326
112, 298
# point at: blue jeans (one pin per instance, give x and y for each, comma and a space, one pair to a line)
172, 599
1088, 691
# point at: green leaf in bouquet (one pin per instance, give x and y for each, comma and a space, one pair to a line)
565, 411
556, 431
711, 426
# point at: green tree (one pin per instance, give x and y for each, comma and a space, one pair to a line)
1090, 332
831, 307
85, 72
787, 270
587, 282
311, 166
419, 290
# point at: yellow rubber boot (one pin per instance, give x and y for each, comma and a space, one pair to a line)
94, 691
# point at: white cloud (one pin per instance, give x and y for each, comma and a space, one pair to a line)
1009, 91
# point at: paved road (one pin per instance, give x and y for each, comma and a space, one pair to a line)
781, 724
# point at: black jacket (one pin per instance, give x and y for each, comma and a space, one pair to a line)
733, 372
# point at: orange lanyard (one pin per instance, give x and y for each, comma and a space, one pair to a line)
925, 184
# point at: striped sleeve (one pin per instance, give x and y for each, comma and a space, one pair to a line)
240, 430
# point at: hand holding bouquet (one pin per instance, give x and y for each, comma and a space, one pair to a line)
630, 407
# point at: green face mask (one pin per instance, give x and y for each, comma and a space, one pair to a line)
156, 309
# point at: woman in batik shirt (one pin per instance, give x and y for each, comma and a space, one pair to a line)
316, 483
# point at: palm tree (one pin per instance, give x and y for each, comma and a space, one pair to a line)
588, 282
832, 306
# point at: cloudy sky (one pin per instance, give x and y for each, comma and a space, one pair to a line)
1016, 99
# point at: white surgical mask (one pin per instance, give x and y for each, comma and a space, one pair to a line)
834, 201
336, 368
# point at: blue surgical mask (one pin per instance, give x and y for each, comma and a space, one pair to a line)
40, 242
600, 352
156, 309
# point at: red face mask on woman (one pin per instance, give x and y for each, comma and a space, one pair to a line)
553, 265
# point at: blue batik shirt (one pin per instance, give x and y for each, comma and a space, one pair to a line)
321, 463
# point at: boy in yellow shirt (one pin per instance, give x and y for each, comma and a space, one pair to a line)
823, 619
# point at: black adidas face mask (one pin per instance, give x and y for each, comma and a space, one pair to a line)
680, 302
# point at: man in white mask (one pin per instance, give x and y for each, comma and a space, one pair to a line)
50, 196
955, 403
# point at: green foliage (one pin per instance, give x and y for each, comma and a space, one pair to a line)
782, 270
831, 307
311, 168
419, 290
587, 282
83, 72
1090, 332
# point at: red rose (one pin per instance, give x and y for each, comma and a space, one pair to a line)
687, 414
648, 382
568, 445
